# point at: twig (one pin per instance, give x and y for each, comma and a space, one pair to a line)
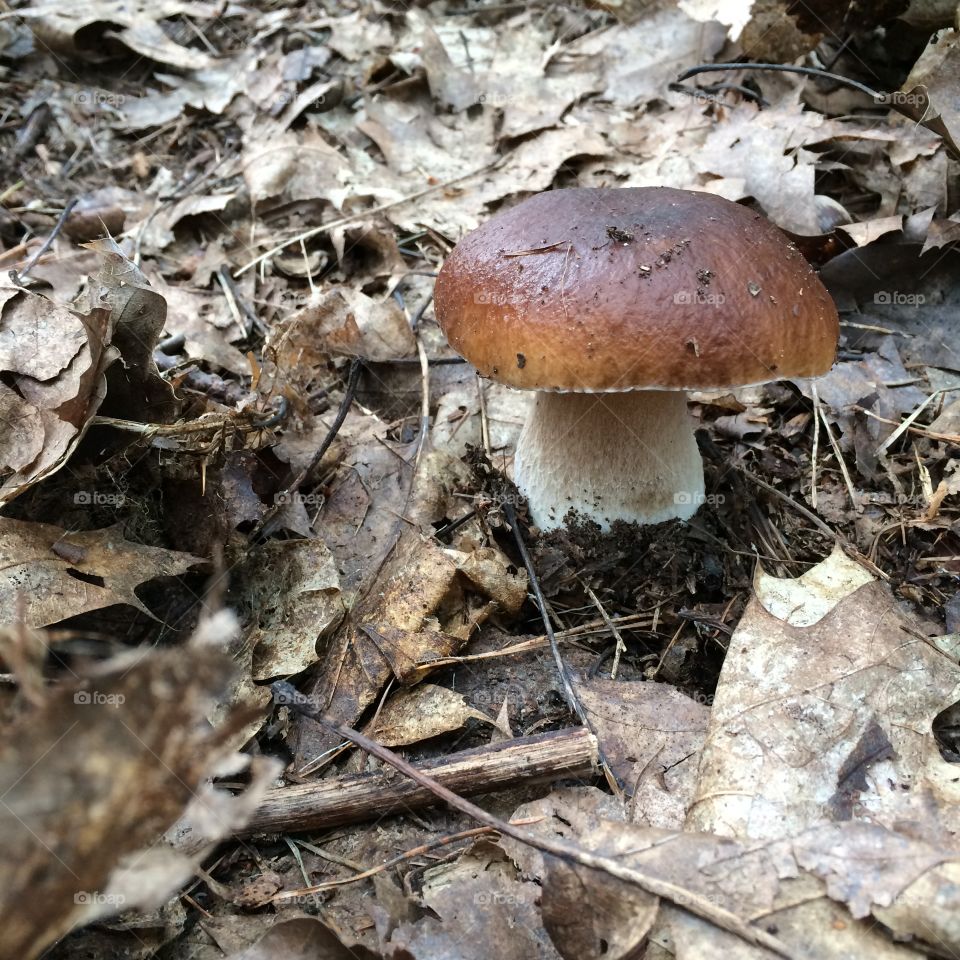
906, 424
445, 841
286, 694
484, 423
301, 478
633, 621
424, 431
864, 561
782, 68
238, 303
621, 646
816, 445
573, 702
16, 277
900, 104
29, 134
317, 805
924, 431
843, 463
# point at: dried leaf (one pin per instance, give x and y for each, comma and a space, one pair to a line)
58, 574
93, 777
292, 590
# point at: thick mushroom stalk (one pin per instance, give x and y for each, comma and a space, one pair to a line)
610, 456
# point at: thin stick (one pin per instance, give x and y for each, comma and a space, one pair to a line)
16, 277
484, 423
621, 646
287, 895
785, 68
913, 428
906, 424
816, 446
901, 105
573, 702
843, 463
286, 694
284, 497
534, 643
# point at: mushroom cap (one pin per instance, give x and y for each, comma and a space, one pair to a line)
637, 288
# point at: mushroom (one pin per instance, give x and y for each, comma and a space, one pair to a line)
611, 304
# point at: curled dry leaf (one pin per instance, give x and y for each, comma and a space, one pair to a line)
934, 86
65, 29
425, 609
480, 909
303, 938
94, 776
651, 735
210, 87
135, 389
821, 731
292, 590
58, 574
425, 711
55, 362
346, 322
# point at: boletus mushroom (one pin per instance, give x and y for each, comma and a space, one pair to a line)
611, 304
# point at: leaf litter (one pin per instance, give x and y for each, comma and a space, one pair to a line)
223, 385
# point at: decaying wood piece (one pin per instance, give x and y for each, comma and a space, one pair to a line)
350, 799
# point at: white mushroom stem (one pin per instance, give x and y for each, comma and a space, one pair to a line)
610, 456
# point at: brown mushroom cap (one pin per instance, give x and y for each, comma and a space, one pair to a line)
625, 289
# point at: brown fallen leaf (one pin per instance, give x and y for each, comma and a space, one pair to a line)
452, 86
303, 938
932, 90
823, 713
591, 915
295, 166
210, 86
58, 574
480, 909
765, 149
346, 322
93, 778
135, 389
291, 592
57, 361
66, 29
651, 735
424, 711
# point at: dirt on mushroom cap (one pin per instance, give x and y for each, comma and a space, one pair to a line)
607, 289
